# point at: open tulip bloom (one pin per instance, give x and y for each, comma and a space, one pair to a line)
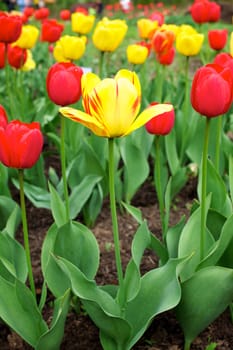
112, 105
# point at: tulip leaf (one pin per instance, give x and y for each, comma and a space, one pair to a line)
173, 237
57, 207
93, 206
9, 214
231, 176
12, 259
52, 339
204, 297
171, 152
19, 310
133, 211
4, 175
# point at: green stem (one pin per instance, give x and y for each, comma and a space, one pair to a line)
158, 184
101, 64
218, 143
63, 168
187, 345
203, 189
114, 212
25, 233
185, 124
160, 81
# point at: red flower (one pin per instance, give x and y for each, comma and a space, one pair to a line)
157, 16
64, 83
225, 60
10, 27
217, 38
2, 55
51, 30
16, 56
82, 10
41, 13
28, 11
200, 11
162, 124
65, 15
3, 117
167, 57
162, 41
214, 12
212, 90
20, 144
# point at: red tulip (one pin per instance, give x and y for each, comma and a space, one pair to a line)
64, 83
157, 16
162, 124
166, 58
3, 117
217, 38
65, 15
20, 144
82, 10
16, 56
51, 30
2, 55
10, 27
41, 13
225, 60
212, 90
28, 11
162, 41
200, 11
214, 12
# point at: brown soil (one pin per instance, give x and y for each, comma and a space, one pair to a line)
80, 332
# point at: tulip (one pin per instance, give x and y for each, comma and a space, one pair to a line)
112, 105
162, 41
217, 38
231, 44
162, 124
166, 58
81, 23
20, 144
51, 30
70, 48
158, 17
212, 90
108, 34
29, 64
65, 15
146, 44
214, 12
200, 11
225, 60
146, 28
189, 44
42, 13
2, 55
28, 11
10, 27
64, 83
28, 37
136, 54
3, 117
16, 56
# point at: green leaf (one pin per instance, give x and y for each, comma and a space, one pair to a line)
20, 312
51, 340
231, 176
4, 181
173, 237
9, 210
57, 207
133, 211
93, 206
171, 152
13, 221
204, 297
81, 193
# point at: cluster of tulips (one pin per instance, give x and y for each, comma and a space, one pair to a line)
124, 112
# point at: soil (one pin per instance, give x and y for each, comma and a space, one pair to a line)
80, 332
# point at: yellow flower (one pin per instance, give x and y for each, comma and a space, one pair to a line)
81, 23
30, 64
136, 54
69, 48
231, 44
146, 28
187, 28
172, 27
28, 37
112, 105
109, 34
189, 44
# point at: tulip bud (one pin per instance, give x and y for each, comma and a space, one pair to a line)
217, 38
162, 124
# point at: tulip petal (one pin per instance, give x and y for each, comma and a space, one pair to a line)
85, 119
147, 115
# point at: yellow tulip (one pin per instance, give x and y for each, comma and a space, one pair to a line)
189, 44
28, 37
69, 48
187, 28
146, 28
231, 44
30, 64
109, 34
170, 27
81, 23
136, 54
112, 105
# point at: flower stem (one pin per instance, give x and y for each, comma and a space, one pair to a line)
63, 168
218, 143
158, 184
114, 212
203, 189
25, 233
101, 64
185, 112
